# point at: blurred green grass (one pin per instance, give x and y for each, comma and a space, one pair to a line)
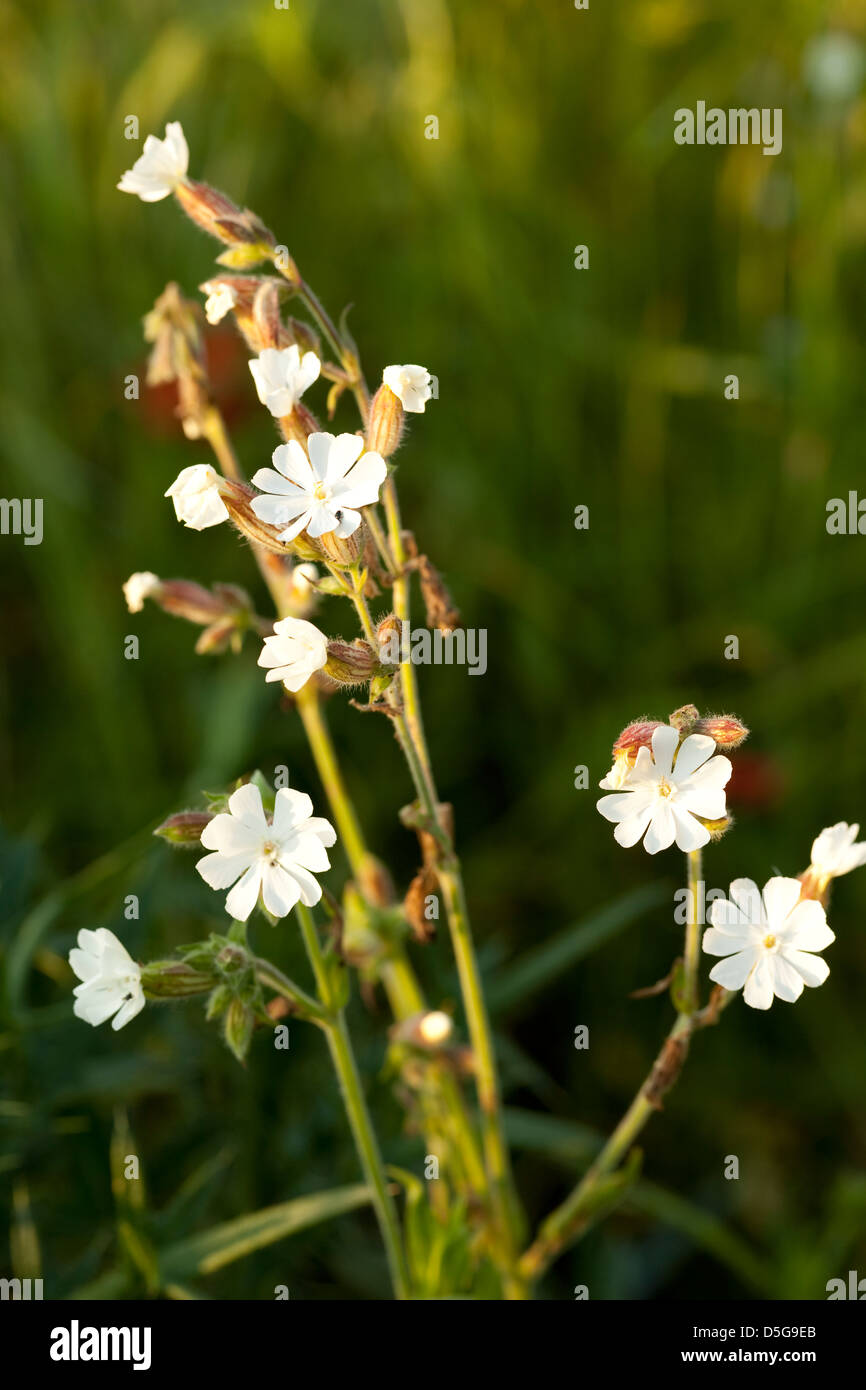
557, 387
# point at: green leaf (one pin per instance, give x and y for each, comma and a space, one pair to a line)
546, 963
223, 1244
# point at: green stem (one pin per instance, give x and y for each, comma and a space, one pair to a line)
568, 1222
356, 1108
268, 975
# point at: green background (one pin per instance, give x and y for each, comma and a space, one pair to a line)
558, 387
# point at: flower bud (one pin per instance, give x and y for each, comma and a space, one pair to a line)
343, 551
429, 1031
385, 424
219, 637
684, 719
727, 731
184, 828
238, 1028
389, 636
248, 239
174, 979
266, 313
351, 663
635, 736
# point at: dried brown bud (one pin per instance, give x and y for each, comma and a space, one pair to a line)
247, 238
266, 314
440, 610
424, 886
385, 423
375, 882
684, 718
724, 729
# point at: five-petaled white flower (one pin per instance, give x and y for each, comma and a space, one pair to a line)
834, 852
319, 493
768, 940
111, 980
221, 298
296, 650
138, 587
282, 376
196, 497
161, 166
411, 384
277, 859
667, 790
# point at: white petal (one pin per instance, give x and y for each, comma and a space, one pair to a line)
629, 830
662, 828
733, 972
758, 992
781, 896
691, 835
290, 809
813, 969
694, 751
787, 983
664, 740
280, 891
245, 894
806, 928
245, 805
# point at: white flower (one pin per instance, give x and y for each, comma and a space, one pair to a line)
768, 940
111, 980
221, 299
665, 792
834, 851
411, 384
138, 587
160, 168
294, 653
319, 493
196, 498
282, 376
275, 859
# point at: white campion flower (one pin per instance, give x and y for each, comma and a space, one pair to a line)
275, 858
667, 790
411, 384
768, 939
834, 852
321, 492
160, 167
138, 587
196, 497
296, 650
282, 376
111, 980
221, 299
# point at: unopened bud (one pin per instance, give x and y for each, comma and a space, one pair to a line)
429, 1031
304, 336
219, 637
684, 719
724, 729
184, 828
238, 1028
635, 736
174, 979
389, 636
385, 424
344, 551
351, 663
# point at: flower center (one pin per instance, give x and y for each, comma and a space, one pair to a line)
271, 852
769, 942
665, 788
320, 492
